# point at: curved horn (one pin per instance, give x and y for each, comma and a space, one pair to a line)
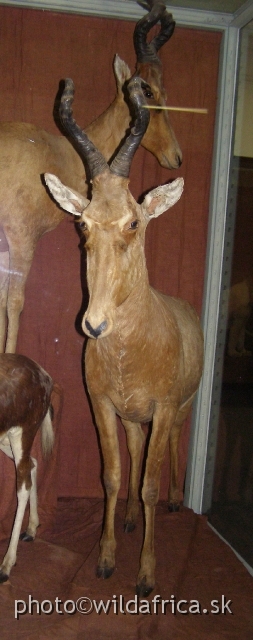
96, 161
146, 52
166, 31
122, 162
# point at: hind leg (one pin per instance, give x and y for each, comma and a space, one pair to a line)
33, 523
23, 490
174, 437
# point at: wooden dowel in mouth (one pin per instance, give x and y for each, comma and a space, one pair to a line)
189, 109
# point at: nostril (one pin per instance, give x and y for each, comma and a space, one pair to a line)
96, 332
179, 161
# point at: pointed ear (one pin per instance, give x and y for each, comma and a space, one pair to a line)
162, 198
68, 199
121, 72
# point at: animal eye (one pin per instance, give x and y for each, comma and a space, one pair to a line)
83, 226
147, 92
134, 224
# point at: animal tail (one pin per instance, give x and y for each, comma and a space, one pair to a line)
47, 434
53, 414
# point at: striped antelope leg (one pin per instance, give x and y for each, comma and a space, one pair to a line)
25, 394
25, 480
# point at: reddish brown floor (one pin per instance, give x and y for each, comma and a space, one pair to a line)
192, 564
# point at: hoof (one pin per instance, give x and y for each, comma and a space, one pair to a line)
143, 589
104, 572
173, 507
25, 537
3, 577
129, 527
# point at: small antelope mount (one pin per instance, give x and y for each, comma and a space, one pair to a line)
144, 357
25, 396
27, 212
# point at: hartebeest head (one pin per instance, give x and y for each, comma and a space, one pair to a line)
113, 223
149, 68
159, 138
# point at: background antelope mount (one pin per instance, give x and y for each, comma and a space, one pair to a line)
27, 153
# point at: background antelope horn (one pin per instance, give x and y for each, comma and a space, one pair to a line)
95, 160
122, 162
146, 52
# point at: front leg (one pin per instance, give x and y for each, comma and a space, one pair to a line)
107, 425
135, 439
163, 420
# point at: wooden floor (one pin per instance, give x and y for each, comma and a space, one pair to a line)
193, 563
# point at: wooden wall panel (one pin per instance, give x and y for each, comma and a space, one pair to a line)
37, 50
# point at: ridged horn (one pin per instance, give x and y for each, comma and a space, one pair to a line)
147, 52
95, 160
122, 162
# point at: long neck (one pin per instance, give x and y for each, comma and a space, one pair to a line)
109, 129
134, 313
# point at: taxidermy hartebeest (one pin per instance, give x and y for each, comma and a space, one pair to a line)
144, 356
26, 211
25, 395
